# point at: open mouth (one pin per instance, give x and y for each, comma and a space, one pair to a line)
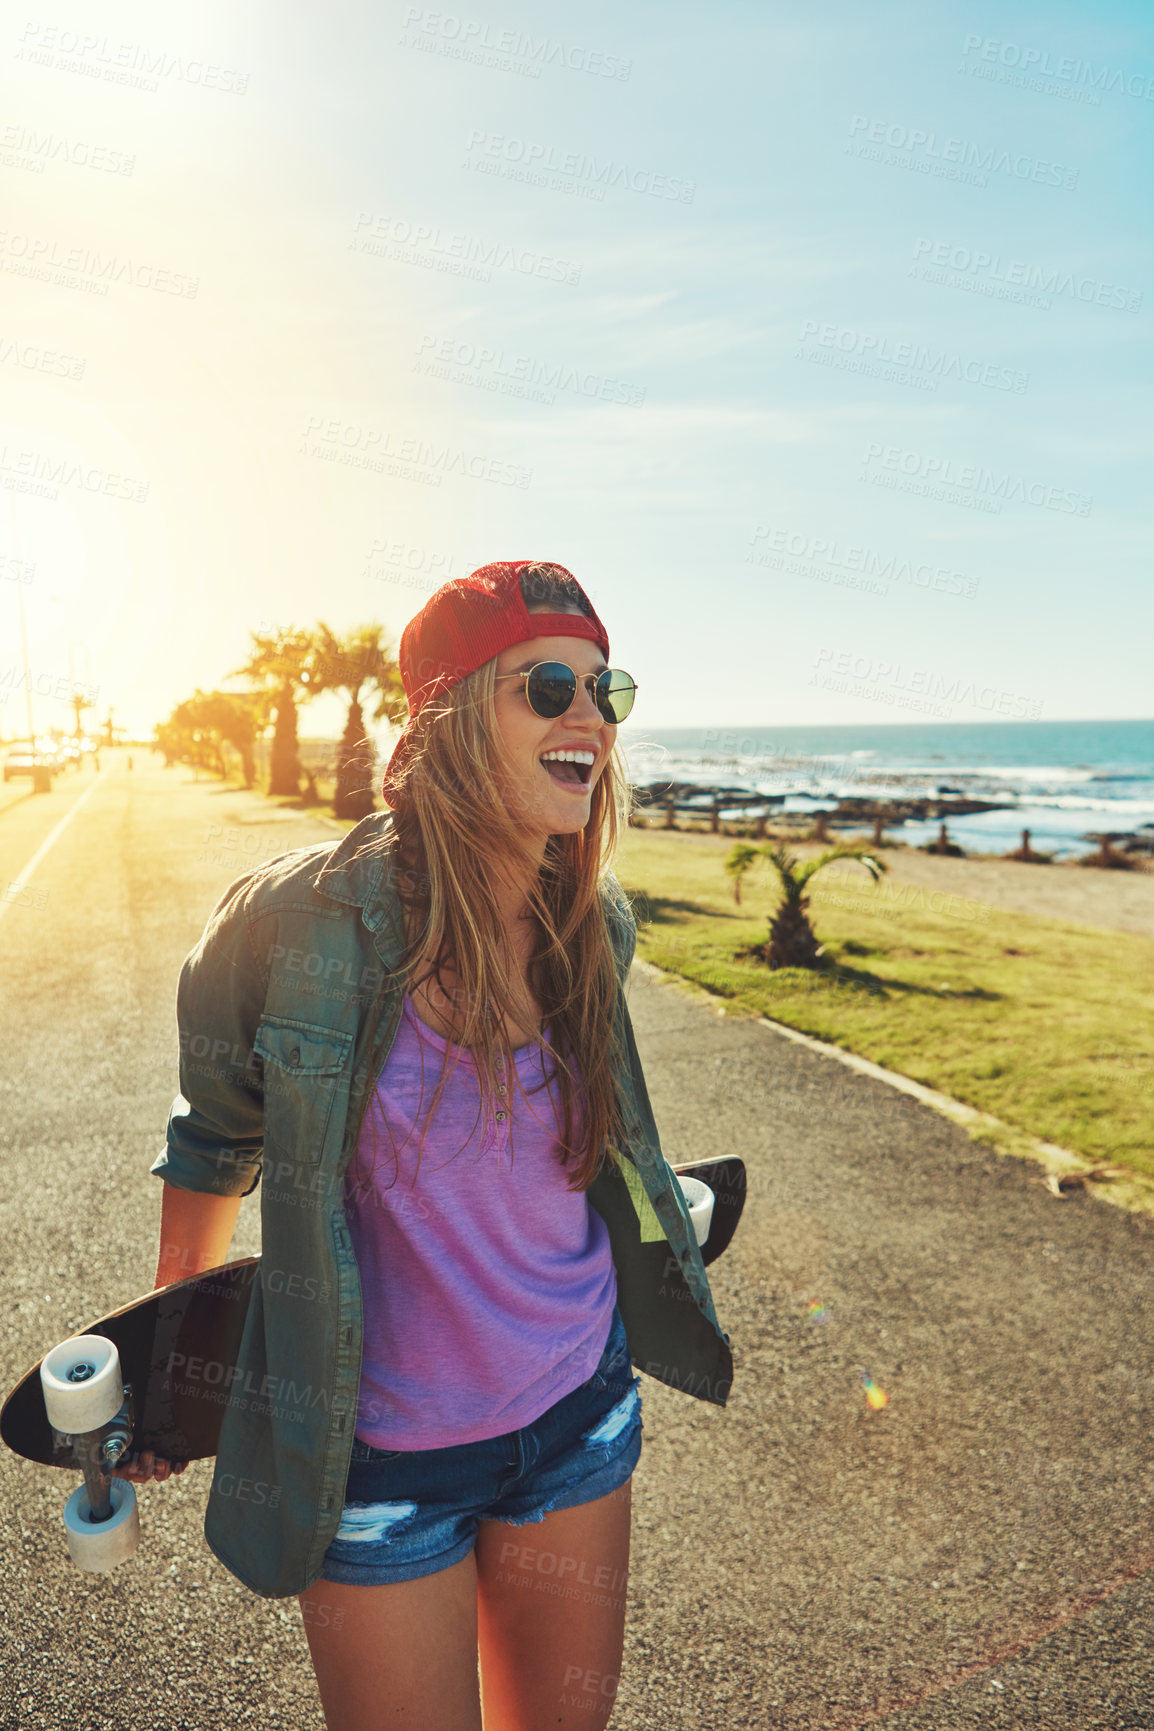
574, 775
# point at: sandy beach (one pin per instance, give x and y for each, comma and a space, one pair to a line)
1120, 901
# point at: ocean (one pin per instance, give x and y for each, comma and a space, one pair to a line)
1062, 780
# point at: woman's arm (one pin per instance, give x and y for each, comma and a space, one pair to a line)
195, 1232
214, 1142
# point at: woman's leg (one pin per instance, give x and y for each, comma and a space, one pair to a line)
398, 1655
551, 1616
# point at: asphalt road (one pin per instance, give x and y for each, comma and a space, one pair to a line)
976, 1554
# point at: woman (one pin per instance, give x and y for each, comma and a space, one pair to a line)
431, 1432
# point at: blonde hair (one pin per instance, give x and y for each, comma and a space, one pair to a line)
452, 821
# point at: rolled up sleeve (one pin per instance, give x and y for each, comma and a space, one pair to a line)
215, 1135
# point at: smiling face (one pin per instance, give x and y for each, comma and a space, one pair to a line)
547, 804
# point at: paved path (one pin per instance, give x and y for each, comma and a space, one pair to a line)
975, 1555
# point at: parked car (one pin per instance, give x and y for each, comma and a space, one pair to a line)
19, 763
22, 761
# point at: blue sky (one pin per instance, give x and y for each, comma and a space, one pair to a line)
818, 348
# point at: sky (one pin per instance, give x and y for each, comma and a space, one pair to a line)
817, 347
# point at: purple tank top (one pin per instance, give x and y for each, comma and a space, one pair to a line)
487, 1285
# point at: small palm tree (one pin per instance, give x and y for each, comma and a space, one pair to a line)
1107, 855
79, 703
792, 939
740, 859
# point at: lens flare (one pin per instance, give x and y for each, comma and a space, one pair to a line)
877, 1397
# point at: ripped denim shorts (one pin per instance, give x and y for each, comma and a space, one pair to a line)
412, 1512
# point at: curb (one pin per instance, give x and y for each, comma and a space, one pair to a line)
1134, 1193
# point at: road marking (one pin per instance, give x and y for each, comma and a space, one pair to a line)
19, 884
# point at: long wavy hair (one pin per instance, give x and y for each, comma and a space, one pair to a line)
452, 820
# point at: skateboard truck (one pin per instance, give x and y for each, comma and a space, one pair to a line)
97, 1453
89, 1405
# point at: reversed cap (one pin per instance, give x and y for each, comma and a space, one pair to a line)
467, 622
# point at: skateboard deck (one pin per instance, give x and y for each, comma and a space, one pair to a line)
202, 1317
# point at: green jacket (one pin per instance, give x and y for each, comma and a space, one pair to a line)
271, 1008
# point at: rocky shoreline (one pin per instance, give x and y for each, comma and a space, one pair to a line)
694, 798
730, 803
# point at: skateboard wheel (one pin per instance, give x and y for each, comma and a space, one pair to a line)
99, 1545
699, 1200
82, 1384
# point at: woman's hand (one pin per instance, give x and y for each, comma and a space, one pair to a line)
147, 1465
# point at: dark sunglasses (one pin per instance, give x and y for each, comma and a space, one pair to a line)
551, 688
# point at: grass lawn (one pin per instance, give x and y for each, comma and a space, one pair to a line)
1046, 1025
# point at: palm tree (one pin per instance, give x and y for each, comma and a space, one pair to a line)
188, 740
792, 939
350, 664
234, 719
79, 704
740, 859
198, 727
170, 741
279, 667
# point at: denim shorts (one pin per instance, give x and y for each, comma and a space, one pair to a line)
412, 1512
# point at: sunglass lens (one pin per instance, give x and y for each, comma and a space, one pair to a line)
551, 688
615, 694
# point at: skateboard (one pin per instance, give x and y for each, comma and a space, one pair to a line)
725, 1181
116, 1390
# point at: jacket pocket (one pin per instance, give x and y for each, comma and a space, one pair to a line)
304, 1067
